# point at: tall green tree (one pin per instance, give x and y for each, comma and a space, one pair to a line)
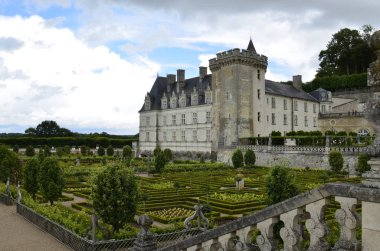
31, 176
347, 52
101, 151
280, 185
127, 151
159, 162
336, 161
249, 158
110, 151
50, 179
10, 165
237, 158
29, 151
115, 195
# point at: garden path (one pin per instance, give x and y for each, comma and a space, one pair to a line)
16, 233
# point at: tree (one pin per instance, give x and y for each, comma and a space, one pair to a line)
101, 151
237, 158
336, 161
110, 151
280, 185
29, 151
50, 179
363, 166
159, 162
127, 151
83, 150
168, 155
115, 196
48, 128
156, 151
67, 150
31, 177
249, 158
347, 52
213, 156
10, 165
46, 151
30, 131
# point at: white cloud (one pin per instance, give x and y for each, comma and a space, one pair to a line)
54, 75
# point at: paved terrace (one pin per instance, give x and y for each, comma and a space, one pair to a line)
16, 233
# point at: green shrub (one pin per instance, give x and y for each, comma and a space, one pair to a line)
156, 151
336, 161
237, 158
159, 162
31, 177
101, 151
29, 151
50, 178
249, 158
115, 195
110, 151
127, 152
168, 155
363, 166
280, 185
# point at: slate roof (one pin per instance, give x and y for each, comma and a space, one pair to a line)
320, 94
286, 90
160, 87
251, 47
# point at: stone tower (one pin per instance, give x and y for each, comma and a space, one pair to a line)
238, 93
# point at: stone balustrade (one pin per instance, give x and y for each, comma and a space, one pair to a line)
305, 149
309, 208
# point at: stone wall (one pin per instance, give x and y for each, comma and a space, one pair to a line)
293, 159
347, 124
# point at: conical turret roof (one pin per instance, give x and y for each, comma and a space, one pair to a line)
251, 47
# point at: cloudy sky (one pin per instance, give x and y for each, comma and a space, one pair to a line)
87, 64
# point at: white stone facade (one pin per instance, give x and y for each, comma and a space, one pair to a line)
210, 112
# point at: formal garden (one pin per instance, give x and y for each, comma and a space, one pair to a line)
166, 190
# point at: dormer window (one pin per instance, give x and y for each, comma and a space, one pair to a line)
148, 103
194, 97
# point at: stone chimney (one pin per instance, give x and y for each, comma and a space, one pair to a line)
297, 82
180, 75
202, 72
170, 78
180, 80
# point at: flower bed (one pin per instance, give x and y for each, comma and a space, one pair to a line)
241, 197
170, 214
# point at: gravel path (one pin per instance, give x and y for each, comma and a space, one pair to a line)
18, 234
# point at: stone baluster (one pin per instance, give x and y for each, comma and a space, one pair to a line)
291, 233
348, 221
245, 236
265, 240
227, 241
316, 226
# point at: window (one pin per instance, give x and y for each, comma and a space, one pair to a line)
164, 136
273, 102
164, 120
323, 108
174, 136
195, 136
147, 121
295, 105
208, 117
208, 135
315, 122
164, 103
267, 118
285, 104
258, 94
273, 119
267, 101
258, 116
147, 136
314, 108
174, 120
183, 119
305, 106
195, 118
183, 136
285, 119
306, 124
258, 74
295, 120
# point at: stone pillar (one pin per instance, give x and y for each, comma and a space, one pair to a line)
291, 233
145, 240
265, 240
316, 226
370, 226
348, 221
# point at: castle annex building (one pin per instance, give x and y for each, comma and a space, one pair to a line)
213, 111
